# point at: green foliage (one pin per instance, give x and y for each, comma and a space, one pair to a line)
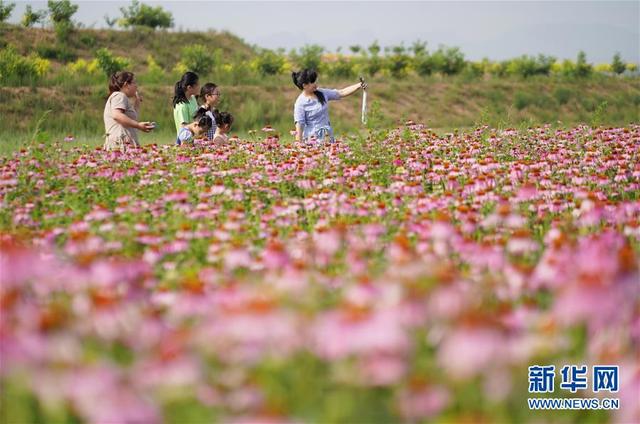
398, 62
309, 57
373, 65
32, 17
583, 69
528, 66
55, 52
269, 62
374, 48
599, 113
617, 65
423, 64
521, 100
198, 58
111, 22
342, 67
139, 14
419, 48
109, 63
448, 61
5, 10
562, 95
61, 13
154, 73
473, 69
19, 69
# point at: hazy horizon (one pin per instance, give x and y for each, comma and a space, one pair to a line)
496, 30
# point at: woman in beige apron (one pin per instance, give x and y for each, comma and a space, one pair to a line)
121, 115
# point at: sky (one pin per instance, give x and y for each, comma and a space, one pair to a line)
497, 30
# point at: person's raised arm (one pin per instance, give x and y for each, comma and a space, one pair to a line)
347, 91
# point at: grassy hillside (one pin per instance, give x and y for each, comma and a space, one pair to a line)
76, 102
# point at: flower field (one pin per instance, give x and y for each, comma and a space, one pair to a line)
408, 277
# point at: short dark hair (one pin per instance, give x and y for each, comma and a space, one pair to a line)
223, 118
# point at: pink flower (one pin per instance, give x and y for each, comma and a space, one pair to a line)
337, 334
423, 402
469, 351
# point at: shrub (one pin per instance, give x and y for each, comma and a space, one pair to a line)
139, 14
423, 64
522, 100
154, 72
603, 68
110, 64
527, 66
5, 10
448, 61
398, 62
198, 59
55, 52
14, 66
582, 69
342, 67
617, 65
82, 66
61, 13
562, 95
268, 62
474, 69
309, 57
30, 17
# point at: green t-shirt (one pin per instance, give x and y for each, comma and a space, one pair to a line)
183, 112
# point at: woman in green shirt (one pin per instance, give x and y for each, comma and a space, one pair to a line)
185, 105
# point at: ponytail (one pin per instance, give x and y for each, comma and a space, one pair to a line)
189, 78
202, 119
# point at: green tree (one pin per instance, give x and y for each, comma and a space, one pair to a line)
30, 17
198, 59
355, 49
5, 10
448, 61
423, 64
140, 14
398, 62
419, 48
109, 63
269, 62
374, 48
110, 21
583, 69
310, 56
60, 13
618, 66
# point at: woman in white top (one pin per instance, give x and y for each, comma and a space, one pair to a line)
121, 115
